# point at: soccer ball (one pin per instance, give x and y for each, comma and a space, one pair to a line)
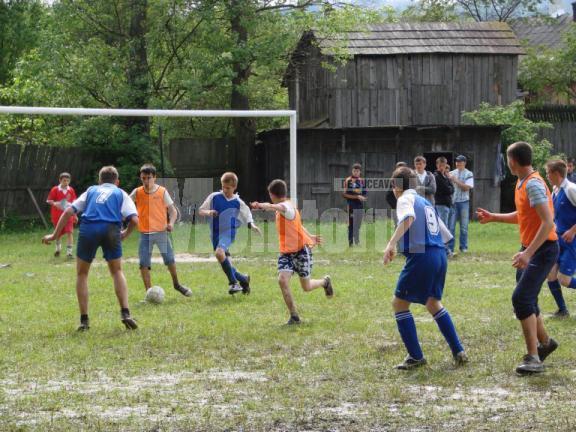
155, 295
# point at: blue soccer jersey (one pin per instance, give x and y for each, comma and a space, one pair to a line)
232, 212
104, 203
427, 230
564, 199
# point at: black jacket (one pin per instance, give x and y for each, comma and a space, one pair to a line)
444, 189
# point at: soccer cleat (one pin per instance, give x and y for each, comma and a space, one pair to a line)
246, 285
461, 358
234, 288
84, 326
410, 363
185, 291
294, 320
561, 313
530, 365
328, 286
129, 322
545, 350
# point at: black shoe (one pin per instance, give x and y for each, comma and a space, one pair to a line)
57, 253
246, 285
561, 313
129, 322
234, 288
410, 363
294, 320
84, 326
530, 365
328, 290
185, 291
545, 350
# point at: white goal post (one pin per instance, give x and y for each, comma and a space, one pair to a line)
175, 113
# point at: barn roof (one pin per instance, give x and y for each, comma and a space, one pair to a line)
547, 32
424, 38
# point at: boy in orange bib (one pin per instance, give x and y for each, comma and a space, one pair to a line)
154, 204
295, 244
538, 253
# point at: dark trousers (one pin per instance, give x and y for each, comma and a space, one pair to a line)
355, 217
530, 279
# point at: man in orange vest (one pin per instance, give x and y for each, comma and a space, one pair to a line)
295, 243
539, 252
154, 204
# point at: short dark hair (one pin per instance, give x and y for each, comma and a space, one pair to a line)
400, 164
570, 160
357, 166
148, 169
64, 174
108, 174
442, 159
558, 166
278, 188
404, 178
521, 152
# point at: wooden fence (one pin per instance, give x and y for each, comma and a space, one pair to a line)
563, 132
25, 168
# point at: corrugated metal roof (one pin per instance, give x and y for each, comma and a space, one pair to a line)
546, 32
414, 38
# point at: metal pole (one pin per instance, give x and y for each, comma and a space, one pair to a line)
293, 159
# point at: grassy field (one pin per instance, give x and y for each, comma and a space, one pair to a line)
216, 362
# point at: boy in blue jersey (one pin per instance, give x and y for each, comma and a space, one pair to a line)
104, 207
228, 211
564, 200
422, 235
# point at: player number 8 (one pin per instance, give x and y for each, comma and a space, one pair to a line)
432, 220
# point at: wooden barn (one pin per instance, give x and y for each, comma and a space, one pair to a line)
402, 93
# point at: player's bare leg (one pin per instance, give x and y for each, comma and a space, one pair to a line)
185, 291
530, 330
311, 284
121, 289
69, 244
284, 282
82, 270
145, 273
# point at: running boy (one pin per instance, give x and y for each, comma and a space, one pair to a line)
295, 243
153, 203
59, 199
564, 199
422, 235
535, 216
227, 211
103, 208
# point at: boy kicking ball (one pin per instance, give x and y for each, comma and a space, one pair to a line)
59, 199
153, 202
295, 243
422, 236
227, 211
103, 208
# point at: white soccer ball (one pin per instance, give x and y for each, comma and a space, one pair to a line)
155, 295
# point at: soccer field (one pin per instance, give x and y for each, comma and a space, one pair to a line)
217, 362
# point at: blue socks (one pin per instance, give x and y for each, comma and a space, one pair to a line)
229, 270
442, 318
239, 276
572, 283
407, 329
556, 291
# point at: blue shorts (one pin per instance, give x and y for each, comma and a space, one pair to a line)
567, 257
300, 262
147, 242
423, 276
223, 242
99, 234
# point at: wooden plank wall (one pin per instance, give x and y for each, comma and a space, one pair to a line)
325, 154
562, 136
37, 168
425, 89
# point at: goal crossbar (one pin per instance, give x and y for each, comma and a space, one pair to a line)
175, 113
